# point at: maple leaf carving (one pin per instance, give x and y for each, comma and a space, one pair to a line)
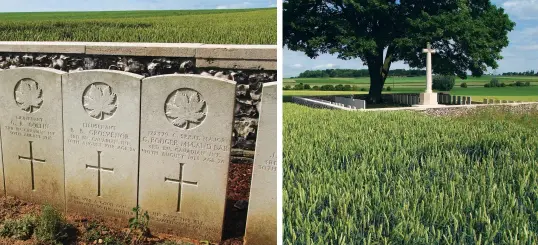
28, 95
100, 101
185, 109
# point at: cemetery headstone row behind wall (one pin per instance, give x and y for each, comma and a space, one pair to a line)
162, 143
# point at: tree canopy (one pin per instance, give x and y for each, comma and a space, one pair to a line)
468, 35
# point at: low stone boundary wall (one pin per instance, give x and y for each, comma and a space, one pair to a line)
351, 102
318, 103
250, 66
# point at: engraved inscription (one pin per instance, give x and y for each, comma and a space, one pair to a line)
29, 126
175, 220
185, 108
28, 95
269, 164
32, 161
99, 101
101, 204
184, 146
102, 136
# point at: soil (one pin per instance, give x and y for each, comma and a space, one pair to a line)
85, 228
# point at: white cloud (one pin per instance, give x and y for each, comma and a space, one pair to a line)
522, 9
296, 65
236, 6
326, 66
272, 5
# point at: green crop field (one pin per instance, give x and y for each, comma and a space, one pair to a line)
250, 26
409, 178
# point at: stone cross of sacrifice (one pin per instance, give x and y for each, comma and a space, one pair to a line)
429, 51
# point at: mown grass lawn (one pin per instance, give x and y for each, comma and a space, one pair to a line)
408, 178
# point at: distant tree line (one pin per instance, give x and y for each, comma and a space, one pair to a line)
525, 73
357, 73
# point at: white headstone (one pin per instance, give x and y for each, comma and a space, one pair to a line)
262, 209
186, 134
2, 189
32, 140
102, 111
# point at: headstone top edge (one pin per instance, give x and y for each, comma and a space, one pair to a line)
35, 68
189, 76
133, 75
270, 84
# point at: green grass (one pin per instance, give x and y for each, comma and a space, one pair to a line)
408, 178
251, 26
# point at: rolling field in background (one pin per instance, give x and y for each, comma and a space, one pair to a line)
245, 26
475, 87
441, 180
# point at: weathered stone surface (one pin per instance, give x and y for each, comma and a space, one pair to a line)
247, 52
2, 189
237, 64
186, 129
43, 47
143, 49
32, 134
102, 111
262, 211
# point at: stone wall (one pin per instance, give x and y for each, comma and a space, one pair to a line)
250, 66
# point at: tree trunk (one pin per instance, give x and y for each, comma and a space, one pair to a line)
377, 80
378, 68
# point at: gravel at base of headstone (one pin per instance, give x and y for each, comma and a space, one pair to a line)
102, 111
32, 134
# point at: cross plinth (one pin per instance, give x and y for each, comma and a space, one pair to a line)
32, 161
181, 182
428, 97
99, 169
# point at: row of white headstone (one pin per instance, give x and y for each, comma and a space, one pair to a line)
101, 142
405, 99
493, 101
448, 99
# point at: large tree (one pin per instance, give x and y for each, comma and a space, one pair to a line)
468, 34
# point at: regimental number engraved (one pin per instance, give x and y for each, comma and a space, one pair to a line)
99, 169
99, 101
185, 108
32, 161
28, 95
181, 182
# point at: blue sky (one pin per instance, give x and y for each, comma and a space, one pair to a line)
520, 55
109, 5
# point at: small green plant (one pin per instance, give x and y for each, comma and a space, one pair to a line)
140, 222
307, 87
51, 227
463, 85
389, 88
20, 229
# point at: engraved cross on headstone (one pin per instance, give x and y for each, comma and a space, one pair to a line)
32, 161
99, 169
181, 182
429, 51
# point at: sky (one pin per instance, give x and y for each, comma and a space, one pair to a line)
520, 55
111, 5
